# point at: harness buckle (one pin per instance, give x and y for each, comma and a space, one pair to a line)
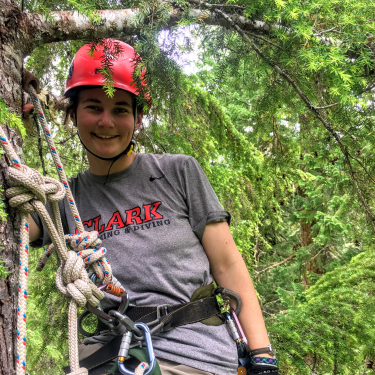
161, 308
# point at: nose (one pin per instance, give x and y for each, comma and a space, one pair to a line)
105, 119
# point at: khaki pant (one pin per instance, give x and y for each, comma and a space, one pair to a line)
166, 367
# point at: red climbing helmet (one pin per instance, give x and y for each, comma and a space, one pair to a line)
84, 69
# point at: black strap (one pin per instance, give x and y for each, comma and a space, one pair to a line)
100, 357
175, 315
260, 351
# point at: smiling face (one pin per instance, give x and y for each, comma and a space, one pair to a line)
106, 124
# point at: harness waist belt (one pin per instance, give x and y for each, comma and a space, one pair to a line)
170, 316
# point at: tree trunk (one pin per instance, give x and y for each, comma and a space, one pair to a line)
10, 90
306, 240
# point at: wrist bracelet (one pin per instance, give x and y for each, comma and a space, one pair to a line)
265, 360
267, 349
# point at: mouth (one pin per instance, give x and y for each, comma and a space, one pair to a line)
102, 136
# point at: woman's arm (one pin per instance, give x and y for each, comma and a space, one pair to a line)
34, 231
229, 271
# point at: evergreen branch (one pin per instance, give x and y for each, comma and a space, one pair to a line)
369, 87
239, 100
148, 137
361, 164
326, 31
264, 39
276, 265
308, 103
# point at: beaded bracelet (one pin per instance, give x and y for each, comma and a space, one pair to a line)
266, 360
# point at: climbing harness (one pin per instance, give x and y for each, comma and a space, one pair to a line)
158, 318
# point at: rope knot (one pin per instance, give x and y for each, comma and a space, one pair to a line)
86, 258
87, 245
29, 186
72, 280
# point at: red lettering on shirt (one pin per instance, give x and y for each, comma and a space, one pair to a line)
133, 214
153, 212
96, 226
115, 220
88, 223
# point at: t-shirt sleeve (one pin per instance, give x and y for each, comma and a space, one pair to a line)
203, 204
45, 238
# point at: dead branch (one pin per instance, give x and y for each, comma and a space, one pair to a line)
276, 264
327, 106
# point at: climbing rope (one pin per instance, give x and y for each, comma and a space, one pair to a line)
29, 193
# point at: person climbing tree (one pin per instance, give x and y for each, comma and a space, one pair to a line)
164, 229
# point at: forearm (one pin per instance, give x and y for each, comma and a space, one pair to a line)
34, 231
236, 277
229, 271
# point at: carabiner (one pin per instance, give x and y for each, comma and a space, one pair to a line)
150, 351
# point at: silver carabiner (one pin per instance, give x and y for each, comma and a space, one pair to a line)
150, 352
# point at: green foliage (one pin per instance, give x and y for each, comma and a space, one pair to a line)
331, 329
10, 118
47, 312
110, 50
296, 214
3, 271
3, 215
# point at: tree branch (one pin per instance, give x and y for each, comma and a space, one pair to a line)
66, 140
276, 264
264, 39
69, 25
309, 105
327, 106
229, 6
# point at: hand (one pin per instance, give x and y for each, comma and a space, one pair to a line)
29, 78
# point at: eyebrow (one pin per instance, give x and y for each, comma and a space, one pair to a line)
94, 100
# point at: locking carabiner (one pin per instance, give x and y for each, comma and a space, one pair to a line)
124, 349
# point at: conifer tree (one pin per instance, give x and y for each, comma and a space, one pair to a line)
280, 116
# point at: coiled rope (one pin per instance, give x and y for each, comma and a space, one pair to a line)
29, 193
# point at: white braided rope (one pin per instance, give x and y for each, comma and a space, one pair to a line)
23, 268
30, 192
56, 159
141, 368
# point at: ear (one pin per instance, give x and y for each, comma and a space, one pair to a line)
73, 118
139, 120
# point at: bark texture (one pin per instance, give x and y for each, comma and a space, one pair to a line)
10, 90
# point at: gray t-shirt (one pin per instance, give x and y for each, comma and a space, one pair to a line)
151, 218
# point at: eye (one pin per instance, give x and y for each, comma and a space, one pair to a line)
121, 110
93, 107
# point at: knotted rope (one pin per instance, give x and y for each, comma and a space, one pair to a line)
29, 193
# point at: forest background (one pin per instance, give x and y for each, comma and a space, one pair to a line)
279, 112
